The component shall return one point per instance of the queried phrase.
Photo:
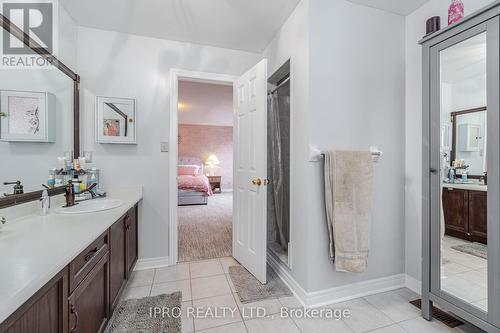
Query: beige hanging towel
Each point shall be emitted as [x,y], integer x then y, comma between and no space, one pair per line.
[348,196]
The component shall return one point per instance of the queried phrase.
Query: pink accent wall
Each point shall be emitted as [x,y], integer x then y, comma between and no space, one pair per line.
[201,141]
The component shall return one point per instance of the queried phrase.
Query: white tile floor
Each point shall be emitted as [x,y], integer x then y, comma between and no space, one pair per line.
[463,275]
[207,284]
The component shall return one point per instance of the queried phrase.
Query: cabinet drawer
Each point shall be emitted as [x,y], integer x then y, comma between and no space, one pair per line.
[83,264]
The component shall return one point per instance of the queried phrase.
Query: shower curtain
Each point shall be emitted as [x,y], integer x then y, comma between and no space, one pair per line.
[276,166]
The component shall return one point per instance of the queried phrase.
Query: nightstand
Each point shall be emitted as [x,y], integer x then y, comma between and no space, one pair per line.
[215,183]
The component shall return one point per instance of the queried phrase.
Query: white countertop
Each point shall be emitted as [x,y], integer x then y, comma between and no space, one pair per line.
[467,186]
[33,248]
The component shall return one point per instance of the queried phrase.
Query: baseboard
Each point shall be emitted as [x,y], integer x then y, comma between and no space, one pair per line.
[337,294]
[283,272]
[413,284]
[150,263]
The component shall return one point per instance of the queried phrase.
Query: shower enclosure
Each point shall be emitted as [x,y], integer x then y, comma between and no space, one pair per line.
[278,134]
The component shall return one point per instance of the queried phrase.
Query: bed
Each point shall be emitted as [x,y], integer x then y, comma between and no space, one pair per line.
[193,189]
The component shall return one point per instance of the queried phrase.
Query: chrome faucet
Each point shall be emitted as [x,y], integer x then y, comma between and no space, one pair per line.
[18,188]
[70,193]
[3,220]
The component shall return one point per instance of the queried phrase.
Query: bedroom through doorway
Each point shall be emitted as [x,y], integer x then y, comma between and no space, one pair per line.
[204,170]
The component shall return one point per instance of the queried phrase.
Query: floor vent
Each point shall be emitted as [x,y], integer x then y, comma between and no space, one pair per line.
[440,315]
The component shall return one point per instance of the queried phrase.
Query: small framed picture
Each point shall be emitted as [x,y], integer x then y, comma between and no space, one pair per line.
[116,120]
[27,116]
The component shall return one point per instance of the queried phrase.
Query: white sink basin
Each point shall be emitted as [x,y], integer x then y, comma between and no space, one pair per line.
[91,206]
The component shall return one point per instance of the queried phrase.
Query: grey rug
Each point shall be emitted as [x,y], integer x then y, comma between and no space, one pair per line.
[476,249]
[134,315]
[205,232]
[249,289]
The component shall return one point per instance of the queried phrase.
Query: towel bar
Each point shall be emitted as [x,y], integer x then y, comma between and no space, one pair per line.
[376,154]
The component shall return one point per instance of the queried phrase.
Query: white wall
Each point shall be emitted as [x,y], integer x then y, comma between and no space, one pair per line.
[292,42]
[415,30]
[205,104]
[357,101]
[123,65]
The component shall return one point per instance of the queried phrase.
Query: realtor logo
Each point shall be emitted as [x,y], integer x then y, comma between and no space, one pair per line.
[38,20]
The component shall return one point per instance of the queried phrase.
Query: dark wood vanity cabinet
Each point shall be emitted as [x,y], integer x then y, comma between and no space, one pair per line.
[83,296]
[44,312]
[118,264]
[131,219]
[478,216]
[124,247]
[465,214]
[89,304]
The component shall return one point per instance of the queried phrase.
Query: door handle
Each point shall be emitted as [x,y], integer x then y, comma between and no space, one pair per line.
[257,181]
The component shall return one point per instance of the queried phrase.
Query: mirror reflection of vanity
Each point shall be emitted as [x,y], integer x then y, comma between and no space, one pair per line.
[461,178]
[38,124]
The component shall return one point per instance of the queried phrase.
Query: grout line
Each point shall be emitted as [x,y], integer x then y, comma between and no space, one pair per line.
[152,283]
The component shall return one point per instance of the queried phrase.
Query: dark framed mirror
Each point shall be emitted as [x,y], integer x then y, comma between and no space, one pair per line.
[39,121]
[469,141]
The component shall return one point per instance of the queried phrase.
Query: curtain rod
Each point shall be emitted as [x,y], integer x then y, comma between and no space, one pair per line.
[279,86]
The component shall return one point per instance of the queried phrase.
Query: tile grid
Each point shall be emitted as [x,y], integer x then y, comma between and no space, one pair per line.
[387,312]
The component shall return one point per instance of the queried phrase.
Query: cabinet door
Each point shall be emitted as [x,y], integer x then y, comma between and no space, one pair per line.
[131,227]
[89,303]
[455,212]
[478,219]
[117,263]
[44,312]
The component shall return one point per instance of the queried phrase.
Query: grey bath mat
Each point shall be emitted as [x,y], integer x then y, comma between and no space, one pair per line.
[475,249]
[134,315]
[249,289]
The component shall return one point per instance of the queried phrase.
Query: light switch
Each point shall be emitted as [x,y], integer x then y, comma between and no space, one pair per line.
[164,147]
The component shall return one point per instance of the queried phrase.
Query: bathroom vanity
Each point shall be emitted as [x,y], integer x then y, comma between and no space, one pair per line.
[69,270]
[464,210]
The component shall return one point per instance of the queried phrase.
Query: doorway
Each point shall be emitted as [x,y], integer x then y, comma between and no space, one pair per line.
[278,164]
[249,236]
[205,170]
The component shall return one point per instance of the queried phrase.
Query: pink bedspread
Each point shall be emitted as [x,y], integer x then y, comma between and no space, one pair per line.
[197,183]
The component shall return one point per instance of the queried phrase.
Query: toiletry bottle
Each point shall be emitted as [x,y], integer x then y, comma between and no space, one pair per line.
[69,166]
[455,11]
[452,175]
[83,162]
[76,184]
[51,182]
[76,165]
[465,176]
[94,177]
[83,184]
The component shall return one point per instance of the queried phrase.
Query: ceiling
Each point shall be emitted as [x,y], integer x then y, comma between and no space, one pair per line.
[400,7]
[205,104]
[464,61]
[247,25]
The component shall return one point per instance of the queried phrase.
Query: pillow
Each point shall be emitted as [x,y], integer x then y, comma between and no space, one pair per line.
[188,170]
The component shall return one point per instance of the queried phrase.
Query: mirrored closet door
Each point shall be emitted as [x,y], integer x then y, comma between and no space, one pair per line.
[464,160]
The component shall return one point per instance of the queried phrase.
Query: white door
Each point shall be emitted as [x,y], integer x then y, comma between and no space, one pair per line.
[250,170]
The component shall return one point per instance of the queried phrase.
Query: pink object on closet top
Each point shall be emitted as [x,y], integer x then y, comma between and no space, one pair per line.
[456,11]
[198,183]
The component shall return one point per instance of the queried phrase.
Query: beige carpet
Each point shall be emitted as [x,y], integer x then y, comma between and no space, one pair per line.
[205,232]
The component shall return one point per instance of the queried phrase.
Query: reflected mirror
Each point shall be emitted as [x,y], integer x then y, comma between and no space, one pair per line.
[464,251]
[36,126]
